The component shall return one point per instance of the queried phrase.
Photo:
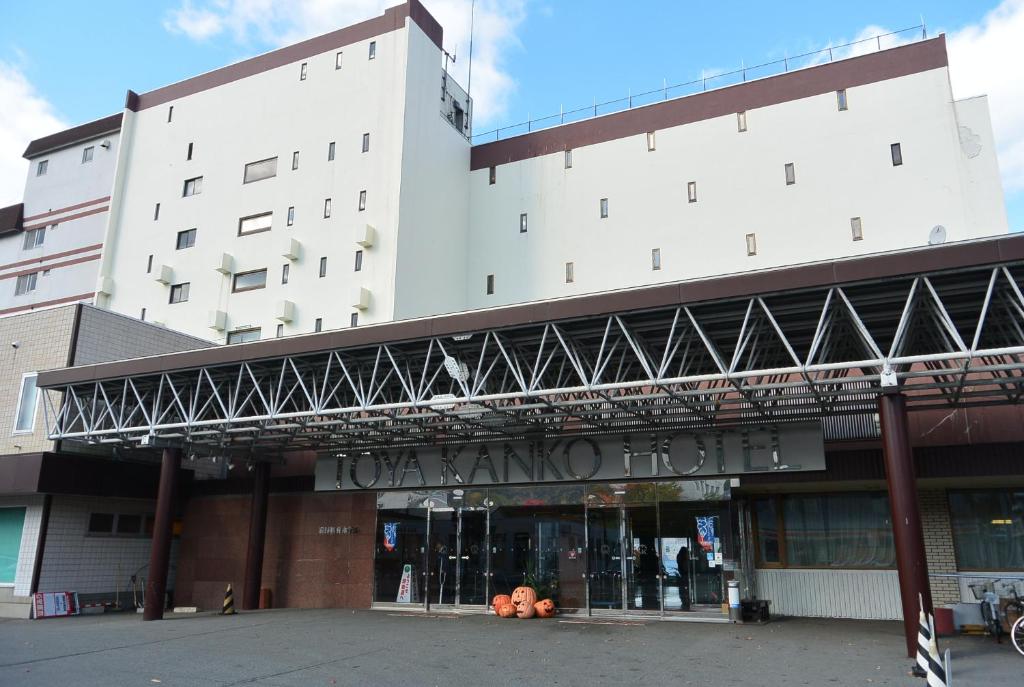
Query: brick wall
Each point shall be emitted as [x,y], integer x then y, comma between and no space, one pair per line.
[938,545]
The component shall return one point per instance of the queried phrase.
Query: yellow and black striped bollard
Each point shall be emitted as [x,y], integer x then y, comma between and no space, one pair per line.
[229,602]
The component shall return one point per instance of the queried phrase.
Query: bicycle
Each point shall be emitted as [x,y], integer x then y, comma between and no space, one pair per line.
[1017,635]
[986,593]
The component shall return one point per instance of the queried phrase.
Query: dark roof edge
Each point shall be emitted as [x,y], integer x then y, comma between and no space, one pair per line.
[878,266]
[11,218]
[76,134]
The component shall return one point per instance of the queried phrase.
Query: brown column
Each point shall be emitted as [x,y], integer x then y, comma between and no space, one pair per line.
[44,525]
[906,516]
[163,522]
[257,536]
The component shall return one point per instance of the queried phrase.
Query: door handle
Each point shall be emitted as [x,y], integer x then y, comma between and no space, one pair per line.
[452,558]
[465,558]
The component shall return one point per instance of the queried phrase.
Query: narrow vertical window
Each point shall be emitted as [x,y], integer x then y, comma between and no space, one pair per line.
[604,208]
[330,151]
[318,325]
[373,50]
[188,155]
[691,191]
[291,215]
[897,154]
[149,265]
[142,315]
[87,153]
[323,267]
[362,201]
[655,258]
[522,223]
[295,160]
[280,328]
[841,99]
[302,72]
[170,113]
[337,61]
[855,229]
[25,413]
[650,141]
[492,175]
[741,121]
[751,244]
[359,261]
[353,320]
[790,174]
[156,212]
[568,158]
[41,168]
[569,273]
[366,143]
[285,269]
[327,208]
[490,284]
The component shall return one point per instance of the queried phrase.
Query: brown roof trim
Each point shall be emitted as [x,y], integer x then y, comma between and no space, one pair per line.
[963,254]
[52,256]
[392,20]
[804,83]
[11,218]
[69,218]
[76,134]
[69,208]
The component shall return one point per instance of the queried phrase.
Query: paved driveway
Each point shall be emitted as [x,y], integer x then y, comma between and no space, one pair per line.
[336,647]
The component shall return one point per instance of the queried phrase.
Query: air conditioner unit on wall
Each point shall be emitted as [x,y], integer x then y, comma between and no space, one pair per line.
[284,311]
[360,298]
[218,320]
[163,274]
[226,264]
[366,236]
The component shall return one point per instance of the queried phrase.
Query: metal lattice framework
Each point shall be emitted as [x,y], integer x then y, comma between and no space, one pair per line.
[949,339]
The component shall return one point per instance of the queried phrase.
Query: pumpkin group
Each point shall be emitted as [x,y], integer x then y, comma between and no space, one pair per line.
[545,608]
[506,610]
[500,600]
[522,603]
[524,595]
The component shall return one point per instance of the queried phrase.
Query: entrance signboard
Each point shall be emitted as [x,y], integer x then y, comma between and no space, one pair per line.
[720,452]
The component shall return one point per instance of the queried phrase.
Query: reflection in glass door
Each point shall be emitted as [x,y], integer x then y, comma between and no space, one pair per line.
[442,557]
[472,589]
[692,555]
[457,558]
[604,554]
[643,558]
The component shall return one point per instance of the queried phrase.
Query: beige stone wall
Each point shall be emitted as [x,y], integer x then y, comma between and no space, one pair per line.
[938,546]
[43,339]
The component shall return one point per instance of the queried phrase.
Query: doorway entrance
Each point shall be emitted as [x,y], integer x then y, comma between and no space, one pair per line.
[457,560]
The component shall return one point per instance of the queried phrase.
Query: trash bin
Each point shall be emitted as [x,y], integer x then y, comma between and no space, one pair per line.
[944,625]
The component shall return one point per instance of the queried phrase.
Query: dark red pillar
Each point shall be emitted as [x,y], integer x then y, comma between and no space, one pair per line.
[257,536]
[908,535]
[163,523]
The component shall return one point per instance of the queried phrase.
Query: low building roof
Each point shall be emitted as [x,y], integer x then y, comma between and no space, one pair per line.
[76,134]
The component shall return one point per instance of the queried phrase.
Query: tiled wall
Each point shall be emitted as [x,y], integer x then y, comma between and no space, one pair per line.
[33,505]
[938,546]
[104,336]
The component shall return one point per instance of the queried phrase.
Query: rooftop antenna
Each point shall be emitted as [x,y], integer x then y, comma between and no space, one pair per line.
[472,17]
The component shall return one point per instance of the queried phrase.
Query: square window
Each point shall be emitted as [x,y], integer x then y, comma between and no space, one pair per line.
[655,259]
[337,60]
[691,191]
[156,212]
[373,50]
[569,273]
[188,154]
[568,159]
[359,261]
[327,208]
[285,269]
[362,201]
[855,229]
[751,244]
[330,151]
[353,320]
[790,174]
[650,141]
[149,265]
[302,71]
[41,167]
[280,328]
[193,187]
[897,154]
[255,224]
[490,284]
[604,208]
[741,121]
[841,99]
[249,281]
[129,524]
[244,335]
[493,175]
[179,293]
[295,160]
[522,223]
[25,283]
[34,238]
[87,154]
[366,143]
[323,267]
[318,325]
[28,399]
[291,215]
[101,523]
[259,170]
[186,239]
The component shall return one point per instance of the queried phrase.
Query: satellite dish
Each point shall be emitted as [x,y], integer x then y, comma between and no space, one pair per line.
[937,235]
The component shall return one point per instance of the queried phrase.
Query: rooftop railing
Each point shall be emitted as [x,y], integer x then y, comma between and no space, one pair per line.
[708,82]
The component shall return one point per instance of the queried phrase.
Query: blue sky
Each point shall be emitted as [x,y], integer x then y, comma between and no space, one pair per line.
[65,62]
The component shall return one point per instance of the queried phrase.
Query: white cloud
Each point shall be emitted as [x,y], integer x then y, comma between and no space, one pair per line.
[25,115]
[273,23]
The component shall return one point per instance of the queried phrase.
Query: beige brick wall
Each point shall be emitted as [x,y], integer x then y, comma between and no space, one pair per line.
[938,545]
[43,339]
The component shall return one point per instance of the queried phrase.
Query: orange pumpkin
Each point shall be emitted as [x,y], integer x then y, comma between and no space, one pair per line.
[506,610]
[525,609]
[545,608]
[500,600]
[524,594]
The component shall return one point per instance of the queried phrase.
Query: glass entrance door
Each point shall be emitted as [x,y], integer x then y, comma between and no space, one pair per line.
[642,550]
[604,556]
[692,555]
[457,558]
[472,586]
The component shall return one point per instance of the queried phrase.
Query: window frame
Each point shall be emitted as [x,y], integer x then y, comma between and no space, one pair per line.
[896,154]
[338,59]
[656,259]
[331,150]
[15,431]
[353,320]
[604,208]
[741,121]
[327,208]
[362,200]
[30,279]
[88,153]
[186,234]
[290,217]
[318,325]
[650,142]
[366,142]
[857,228]
[570,272]
[285,272]
[197,187]
[295,160]
[952,529]
[490,285]
[303,71]
[323,267]
[34,235]
[790,170]
[492,175]
[182,287]
[568,158]
[372,50]
[246,330]
[842,101]
[751,244]
[691,191]
[42,167]
[358,266]
[524,223]
[245,170]
[258,215]
[234,281]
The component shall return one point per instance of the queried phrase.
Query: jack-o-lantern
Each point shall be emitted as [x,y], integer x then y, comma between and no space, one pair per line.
[545,608]
[524,594]
[525,609]
[506,610]
[500,600]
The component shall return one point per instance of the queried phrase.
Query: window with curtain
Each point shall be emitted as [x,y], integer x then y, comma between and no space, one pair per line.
[988,529]
[825,531]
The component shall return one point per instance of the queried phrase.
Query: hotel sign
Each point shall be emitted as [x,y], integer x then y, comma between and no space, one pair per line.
[714,453]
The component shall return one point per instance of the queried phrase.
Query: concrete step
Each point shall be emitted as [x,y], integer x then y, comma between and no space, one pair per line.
[16,608]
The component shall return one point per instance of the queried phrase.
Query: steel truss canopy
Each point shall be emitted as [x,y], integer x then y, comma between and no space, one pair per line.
[948,337]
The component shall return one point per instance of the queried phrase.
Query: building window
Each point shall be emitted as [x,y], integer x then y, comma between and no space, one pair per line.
[193,187]
[366,143]
[841,99]
[25,283]
[492,175]
[25,412]
[337,60]
[790,174]
[522,223]
[570,277]
[303,68]
[170,114]
[323,267]
[327,208]
[149,264]
[650,141]
[262,169]
[101,523]
[988,529]
[353,320]
[604,208]
[254,224]
[128,524]
[34,238]
[741,121]
[285,269]
[186,239]
[362,201]
[897,154]
[249,281]
[142,315]
[655,259]
[179,293]
[87,154]
[851,530]
[244,335]
[188,154]
[490,284]
[568,159]
[318,324]
[855,228]
[41,167]
[330,151]
[156,212]
[373,50]
[751,244]
[691,191]
[291,215]
[359,261]
[295,160]
[280,328]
